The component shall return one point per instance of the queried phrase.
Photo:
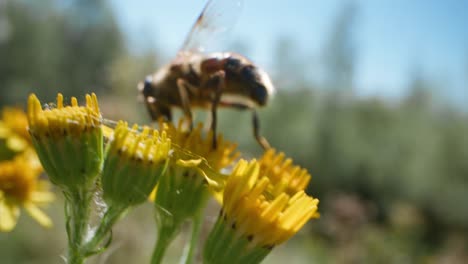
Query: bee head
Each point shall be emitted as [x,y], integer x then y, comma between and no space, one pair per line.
[262,88]
[154,102]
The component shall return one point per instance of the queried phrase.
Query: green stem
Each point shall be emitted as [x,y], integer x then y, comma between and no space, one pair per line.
[77,211]
[165,236]
[189,251]
[111,216]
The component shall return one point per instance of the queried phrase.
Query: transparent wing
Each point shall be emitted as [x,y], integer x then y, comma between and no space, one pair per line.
[218,17]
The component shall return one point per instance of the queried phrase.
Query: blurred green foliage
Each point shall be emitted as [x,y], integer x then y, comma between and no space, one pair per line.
[392,175]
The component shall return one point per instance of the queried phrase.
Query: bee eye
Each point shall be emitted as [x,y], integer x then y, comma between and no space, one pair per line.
[233,64]
[248,74]
[147,86]
[260,94]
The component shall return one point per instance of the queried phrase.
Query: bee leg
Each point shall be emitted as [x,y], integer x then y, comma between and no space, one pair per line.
[183,87]
[157,110]
[218,83]
[255,121]
[256,127]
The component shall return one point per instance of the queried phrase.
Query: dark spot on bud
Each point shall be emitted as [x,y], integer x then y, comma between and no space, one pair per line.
[250,238]
[269,247]
[234,226]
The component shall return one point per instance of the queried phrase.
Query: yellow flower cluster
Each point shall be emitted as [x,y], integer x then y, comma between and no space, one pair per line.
[263,202]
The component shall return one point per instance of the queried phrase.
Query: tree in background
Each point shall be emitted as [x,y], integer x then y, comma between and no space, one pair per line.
[50,46]
[339,54]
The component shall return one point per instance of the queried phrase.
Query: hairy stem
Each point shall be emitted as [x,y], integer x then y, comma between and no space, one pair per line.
[77,210]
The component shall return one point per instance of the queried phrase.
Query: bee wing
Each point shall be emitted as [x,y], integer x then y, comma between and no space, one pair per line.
[218,17]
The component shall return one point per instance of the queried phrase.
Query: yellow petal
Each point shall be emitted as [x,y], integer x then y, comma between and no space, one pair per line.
[42,197]
[107,131]
[38,215]
[189,163]
[4,131]
[8,216]
[16,143]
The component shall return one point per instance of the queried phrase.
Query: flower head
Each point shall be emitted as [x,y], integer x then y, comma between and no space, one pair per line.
[68,140]
[134,162]
[253,219]
[20,187]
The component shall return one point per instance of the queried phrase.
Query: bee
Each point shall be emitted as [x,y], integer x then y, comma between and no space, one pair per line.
[197,79]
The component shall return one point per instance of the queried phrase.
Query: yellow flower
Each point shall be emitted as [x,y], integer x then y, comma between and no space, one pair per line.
[20,187]
[68,140]
[282,215]
[253,220]
[13,130]
[182,192]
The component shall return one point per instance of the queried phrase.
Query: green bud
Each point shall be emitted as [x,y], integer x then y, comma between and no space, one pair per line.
[68,140]
[134,162]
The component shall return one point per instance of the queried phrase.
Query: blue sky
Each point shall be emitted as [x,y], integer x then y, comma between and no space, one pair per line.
[393,37]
